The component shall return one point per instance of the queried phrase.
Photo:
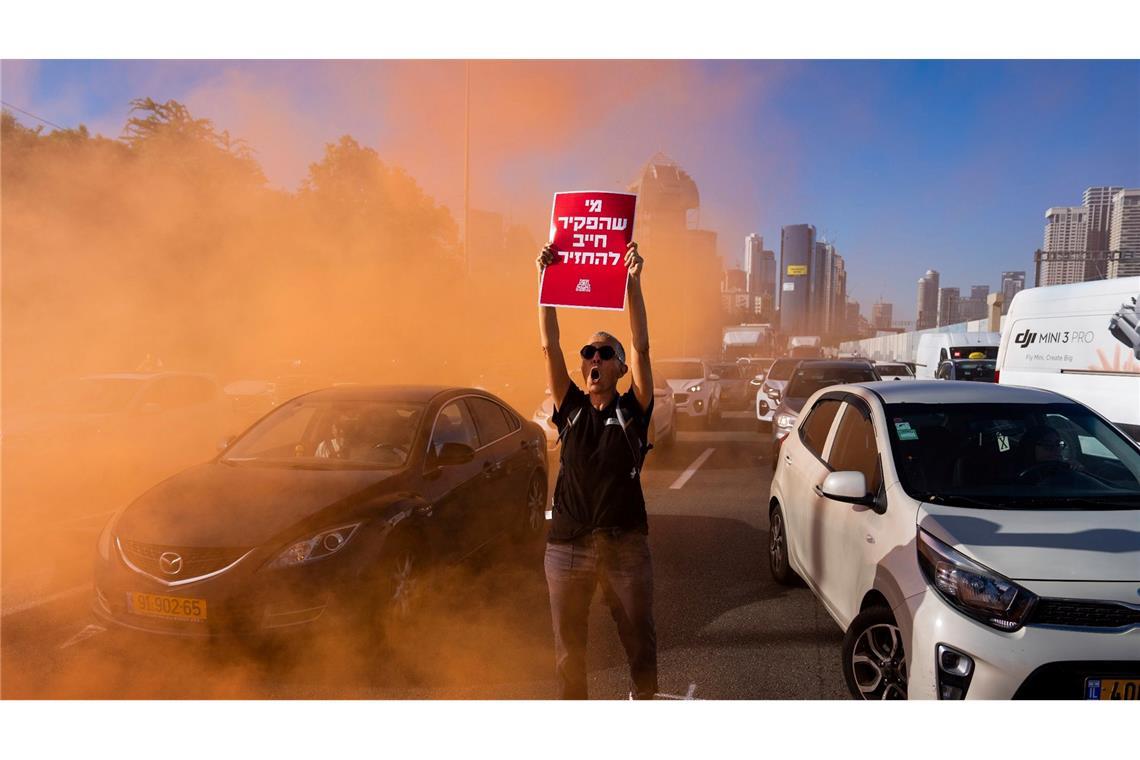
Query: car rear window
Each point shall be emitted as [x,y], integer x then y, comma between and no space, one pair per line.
[809,379]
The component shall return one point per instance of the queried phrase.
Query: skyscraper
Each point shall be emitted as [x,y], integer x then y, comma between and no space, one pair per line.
[1082,242]
[761,268]
[1012,283]
[881,314]
[1124,240]
[927,312]
[948,306]
[797,245]
[1066,229]
[1098,209]
[668,211]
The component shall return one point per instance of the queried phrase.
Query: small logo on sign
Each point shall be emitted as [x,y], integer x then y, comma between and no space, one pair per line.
[583,286]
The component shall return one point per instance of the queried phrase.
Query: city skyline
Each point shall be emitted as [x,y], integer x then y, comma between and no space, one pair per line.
[919,164]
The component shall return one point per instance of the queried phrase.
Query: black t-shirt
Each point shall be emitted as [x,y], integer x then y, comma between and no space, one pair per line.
[599,485]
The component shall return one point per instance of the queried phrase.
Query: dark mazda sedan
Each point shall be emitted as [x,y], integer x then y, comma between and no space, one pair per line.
[328,508]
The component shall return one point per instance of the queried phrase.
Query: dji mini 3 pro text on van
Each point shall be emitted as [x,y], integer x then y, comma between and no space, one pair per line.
[1082,340]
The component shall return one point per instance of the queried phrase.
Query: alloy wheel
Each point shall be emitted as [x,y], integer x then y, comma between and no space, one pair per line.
[776,539]
[535,506]
[878,663]
[403,580]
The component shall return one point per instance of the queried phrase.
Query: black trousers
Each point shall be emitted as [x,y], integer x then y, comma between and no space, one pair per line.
[619,562]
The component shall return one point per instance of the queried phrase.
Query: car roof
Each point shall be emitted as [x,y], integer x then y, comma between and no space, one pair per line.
[417,394]
[951,392]
[837,363]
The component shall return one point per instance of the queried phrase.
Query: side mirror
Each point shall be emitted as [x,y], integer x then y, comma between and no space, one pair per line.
[454,453]
[849,487]
[224,443]
[714,377]
[759,379]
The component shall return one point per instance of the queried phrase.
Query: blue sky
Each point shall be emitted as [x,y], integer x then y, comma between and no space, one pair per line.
[906,165]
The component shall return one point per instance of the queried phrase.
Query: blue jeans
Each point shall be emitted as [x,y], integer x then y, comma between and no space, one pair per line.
[619,563]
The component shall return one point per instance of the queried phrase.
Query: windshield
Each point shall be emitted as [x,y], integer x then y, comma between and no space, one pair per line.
[1007,455]
[330,435]
[726,371]
[808,379]
[976,371]
[782,369]
[893,370]
[679,370]
[970,352]
[95,395]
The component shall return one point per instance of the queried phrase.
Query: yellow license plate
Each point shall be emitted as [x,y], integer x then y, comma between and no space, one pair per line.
[1112,688]
[168,607]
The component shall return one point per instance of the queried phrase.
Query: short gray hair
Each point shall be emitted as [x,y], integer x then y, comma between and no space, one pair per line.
[618,347]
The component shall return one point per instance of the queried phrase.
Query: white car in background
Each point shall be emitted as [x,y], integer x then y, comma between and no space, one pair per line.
[664,433]
[696,387]
[771,391]
[894,371]
[972,540]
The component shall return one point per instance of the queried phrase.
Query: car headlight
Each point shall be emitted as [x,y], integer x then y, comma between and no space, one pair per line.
[772,393]
[974,590]
[695,388]
[786,420]
[316,546]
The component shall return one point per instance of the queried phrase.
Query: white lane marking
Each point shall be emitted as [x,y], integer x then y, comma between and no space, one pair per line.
[684,476]
[44,600]
[86,633]
[688,694]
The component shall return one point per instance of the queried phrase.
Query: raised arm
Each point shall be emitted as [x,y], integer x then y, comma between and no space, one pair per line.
[639,328]
[557,377]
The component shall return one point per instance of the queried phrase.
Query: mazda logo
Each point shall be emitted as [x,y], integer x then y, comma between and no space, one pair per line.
[170,563]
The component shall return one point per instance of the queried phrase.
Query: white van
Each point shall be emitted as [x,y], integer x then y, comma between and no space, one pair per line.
[1081,340]
[935,348]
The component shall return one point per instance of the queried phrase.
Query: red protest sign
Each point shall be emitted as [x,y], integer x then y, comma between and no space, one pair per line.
[589,231]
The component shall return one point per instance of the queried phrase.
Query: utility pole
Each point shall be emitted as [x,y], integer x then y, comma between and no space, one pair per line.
[467,166]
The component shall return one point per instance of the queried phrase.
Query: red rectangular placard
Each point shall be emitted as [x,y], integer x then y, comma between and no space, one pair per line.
[589,231]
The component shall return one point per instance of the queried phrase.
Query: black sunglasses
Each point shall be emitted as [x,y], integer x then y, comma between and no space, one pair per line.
[606,352]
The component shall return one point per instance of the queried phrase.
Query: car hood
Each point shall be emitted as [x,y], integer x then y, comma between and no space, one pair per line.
[222,505]
[1058,545]
[682,386]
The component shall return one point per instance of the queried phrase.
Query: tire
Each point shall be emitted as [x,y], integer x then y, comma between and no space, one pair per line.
[874,656]
[781,569]
[530,526]
[398,582]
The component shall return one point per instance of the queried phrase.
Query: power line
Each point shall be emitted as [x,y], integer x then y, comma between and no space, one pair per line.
[29,113]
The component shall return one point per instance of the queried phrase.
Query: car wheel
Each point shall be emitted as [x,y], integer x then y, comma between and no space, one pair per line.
[782,571]
[399,582]
[531,525]
[874,656]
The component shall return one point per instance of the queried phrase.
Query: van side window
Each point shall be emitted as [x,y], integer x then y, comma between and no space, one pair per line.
[815,428]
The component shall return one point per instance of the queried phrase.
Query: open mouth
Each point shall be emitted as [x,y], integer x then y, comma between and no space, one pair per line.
[595,375]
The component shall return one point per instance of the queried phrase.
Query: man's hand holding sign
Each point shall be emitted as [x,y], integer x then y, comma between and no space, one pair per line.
[599,527]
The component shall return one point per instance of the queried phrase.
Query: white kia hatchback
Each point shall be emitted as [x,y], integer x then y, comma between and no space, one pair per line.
[973,541]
